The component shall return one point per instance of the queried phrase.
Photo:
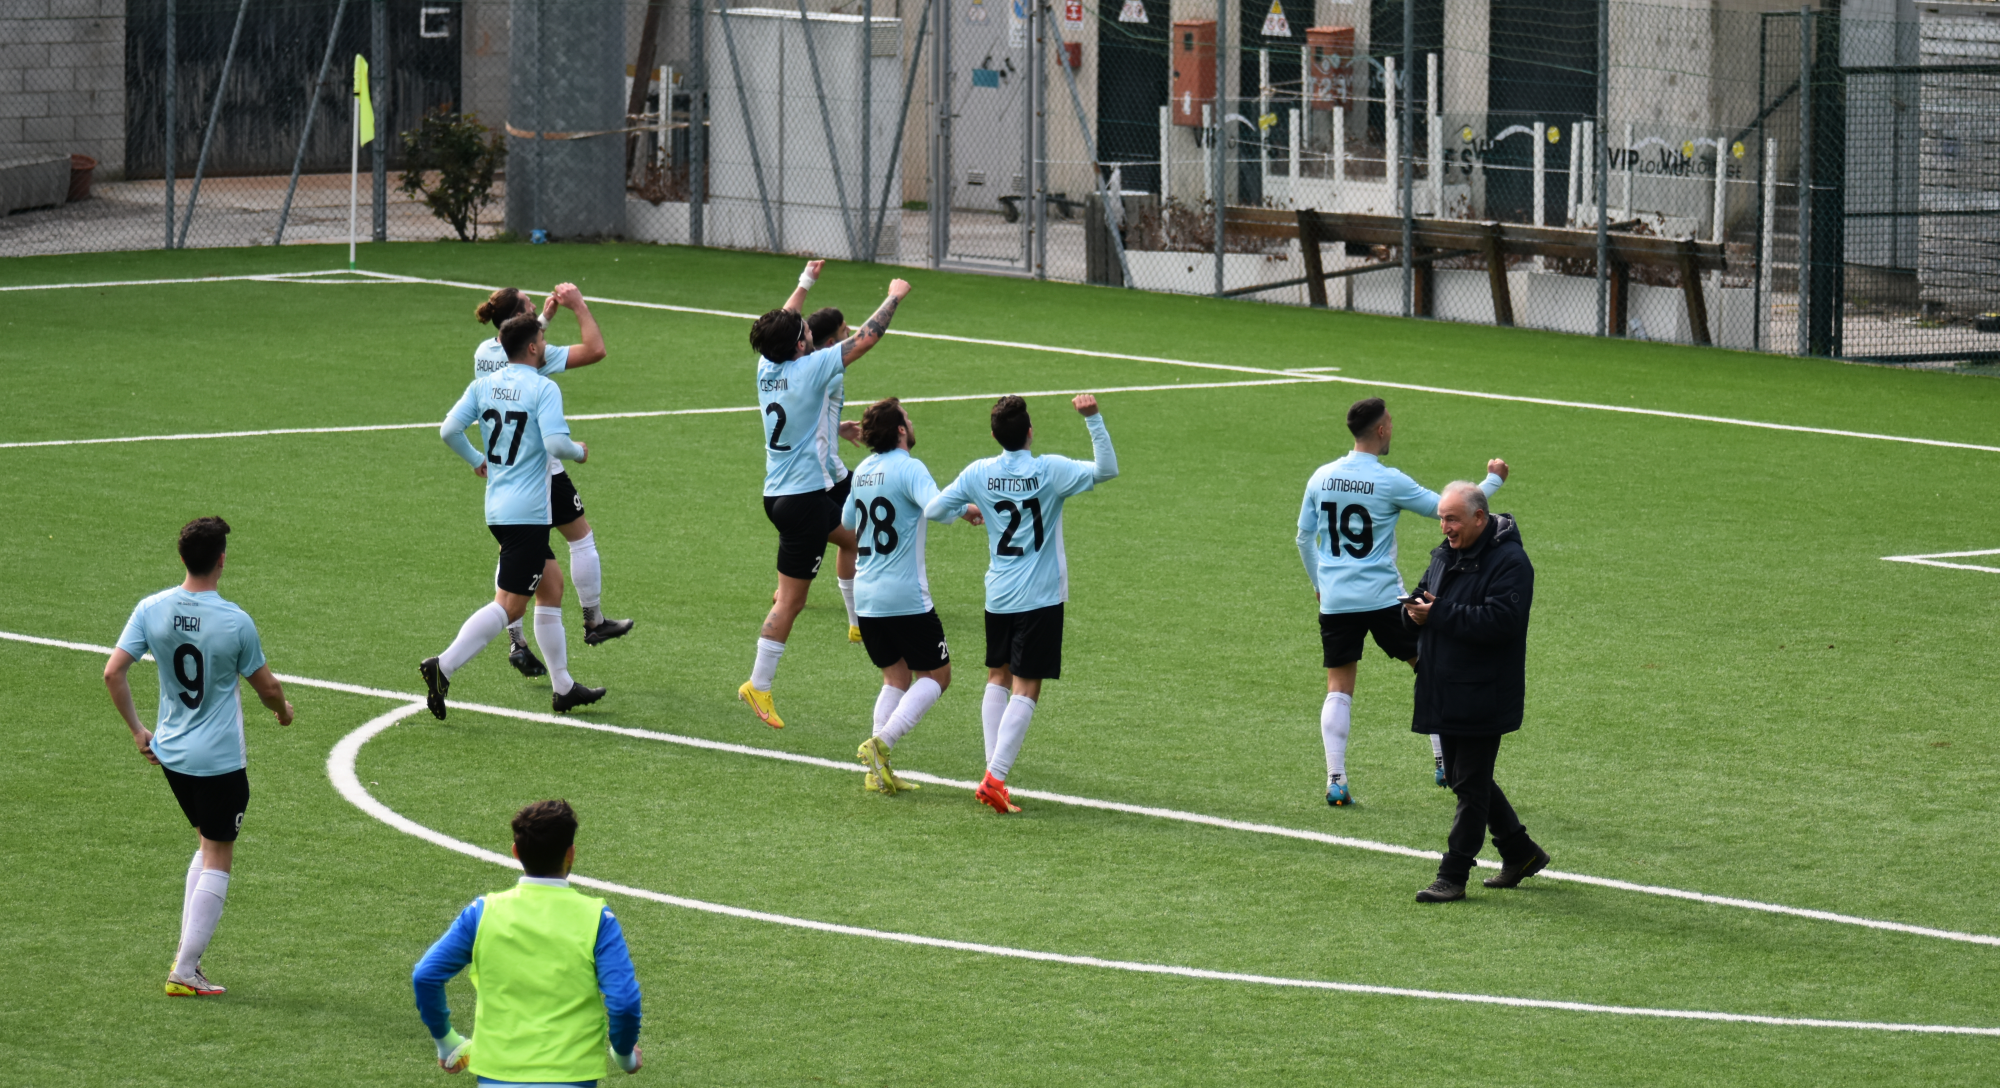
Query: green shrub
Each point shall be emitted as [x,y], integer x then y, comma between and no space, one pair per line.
[449,164]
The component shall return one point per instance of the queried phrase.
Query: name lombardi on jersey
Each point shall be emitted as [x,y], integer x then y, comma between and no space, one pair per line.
[1347,530]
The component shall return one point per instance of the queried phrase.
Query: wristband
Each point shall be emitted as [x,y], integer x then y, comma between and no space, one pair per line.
[806,281]
[544,319]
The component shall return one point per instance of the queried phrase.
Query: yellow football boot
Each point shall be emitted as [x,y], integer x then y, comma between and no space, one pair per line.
[853,633]
[760,701]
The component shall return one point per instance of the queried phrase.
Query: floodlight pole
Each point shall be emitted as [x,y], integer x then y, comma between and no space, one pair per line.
[378,97]
[697,119]
[1599,173]
[1405,137]
[1217,137]
[167,142]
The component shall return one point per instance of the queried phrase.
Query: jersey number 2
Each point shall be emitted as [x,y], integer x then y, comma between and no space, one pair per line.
[777,413]
[884,534]
[1007,507]
[520,422]
[1340,523]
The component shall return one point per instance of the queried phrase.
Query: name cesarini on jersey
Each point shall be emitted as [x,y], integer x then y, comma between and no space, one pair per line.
[520,417]
[886,512]
[797,441]
[1021,496]
[1347,530]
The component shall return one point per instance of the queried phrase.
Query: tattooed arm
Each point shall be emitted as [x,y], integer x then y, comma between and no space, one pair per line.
[872,330]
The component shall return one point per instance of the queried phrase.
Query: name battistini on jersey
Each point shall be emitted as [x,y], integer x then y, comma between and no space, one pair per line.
[1012,483]
[1335,483]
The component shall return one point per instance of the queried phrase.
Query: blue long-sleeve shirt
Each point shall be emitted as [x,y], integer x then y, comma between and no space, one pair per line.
[453,952]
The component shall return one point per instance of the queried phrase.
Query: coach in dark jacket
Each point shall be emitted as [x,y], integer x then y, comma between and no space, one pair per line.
[1471,614]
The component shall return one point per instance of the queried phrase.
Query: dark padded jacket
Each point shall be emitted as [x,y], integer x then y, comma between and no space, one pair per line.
[1472,652]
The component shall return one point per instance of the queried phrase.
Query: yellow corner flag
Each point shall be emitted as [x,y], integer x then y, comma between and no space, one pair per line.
[362,103]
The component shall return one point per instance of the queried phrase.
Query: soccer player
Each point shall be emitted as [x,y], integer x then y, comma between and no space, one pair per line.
[828,327]
[201,643]
[566,506]
[1021,498]
[1347,539]
[792,382]
[549,966]
[520,416]
[899,626]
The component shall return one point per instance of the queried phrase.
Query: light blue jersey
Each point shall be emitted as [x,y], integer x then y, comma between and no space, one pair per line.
[490,357]
[1021,496]
[797,441]
[1347,530]
[886,512]
[836,400]
[520,418]
[201,644]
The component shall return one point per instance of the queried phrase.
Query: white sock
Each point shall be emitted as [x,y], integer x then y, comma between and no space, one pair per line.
[203,911]
[480,628]
[992,707]
[766,668]
[514,636]
[554,644]
[847,595]
[914,705]
[886,701]
[1013,730]
[187,892]
[586,572]
[1335,717]
[1437,749]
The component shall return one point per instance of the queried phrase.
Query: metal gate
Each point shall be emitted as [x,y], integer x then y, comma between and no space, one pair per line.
[986,91]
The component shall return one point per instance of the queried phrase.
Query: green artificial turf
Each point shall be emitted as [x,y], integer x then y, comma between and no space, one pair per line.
[1729,691]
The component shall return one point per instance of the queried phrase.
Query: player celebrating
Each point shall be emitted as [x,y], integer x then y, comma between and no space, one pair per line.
[520,415]
[564,503]
[1021,498]
[828,327]
[792,382]
[898,624]
[202,644]
[1347,538]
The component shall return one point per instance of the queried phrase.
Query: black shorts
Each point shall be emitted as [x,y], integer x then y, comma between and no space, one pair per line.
[524,551]
[803,522]
[917,641]
[839,492]
[1340,635]
[565,505]
[213,803]
[1028,644]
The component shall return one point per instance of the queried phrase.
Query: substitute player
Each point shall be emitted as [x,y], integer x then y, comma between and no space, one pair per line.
[1021,498]
[520,416]
[1347,539]
[899,625]
[565,505]
[828,327]
[202,644]
[792,381]
[549,965]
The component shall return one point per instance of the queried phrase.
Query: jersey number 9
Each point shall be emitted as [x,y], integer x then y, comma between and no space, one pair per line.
[183,654]
[884,534]
[1340,523]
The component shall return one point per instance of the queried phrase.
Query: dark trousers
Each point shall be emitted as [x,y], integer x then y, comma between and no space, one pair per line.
[1468,768]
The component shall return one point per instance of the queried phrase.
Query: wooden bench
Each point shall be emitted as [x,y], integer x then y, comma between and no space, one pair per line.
[1436,240]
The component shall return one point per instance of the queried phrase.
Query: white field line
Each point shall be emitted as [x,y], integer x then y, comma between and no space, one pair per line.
[389,277]
[340,769]
[1175,815]
[1931,560]
[623,415]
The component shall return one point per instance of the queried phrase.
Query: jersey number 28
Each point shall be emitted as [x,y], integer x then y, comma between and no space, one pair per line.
[884,534]
[1340,523]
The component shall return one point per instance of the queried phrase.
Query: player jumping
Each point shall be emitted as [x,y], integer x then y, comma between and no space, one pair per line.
[1021,497]
[792,381]
[202,643]
[565,505]
[1347,538]
[828,327]
[520,416]
[899,626]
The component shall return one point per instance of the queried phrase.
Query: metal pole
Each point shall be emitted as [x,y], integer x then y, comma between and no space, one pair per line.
[1767,185]
[1038,145]
[939,213]
[312,109]
[1805,179]
[903,115]
[353,168]
[826,124]
[867,116]
[749,129]
[1599,146]
[1090,148]
[214,114]
[378,98]
[1218,155]
[1405,142]
[167,145]
[697,120]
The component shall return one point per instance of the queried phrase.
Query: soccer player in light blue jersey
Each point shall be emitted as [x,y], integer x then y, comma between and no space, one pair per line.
[1021,499]
[201,644]
[520,418]
[565,504]
[899,625]
[1347,539]
[828,327]
[792,381]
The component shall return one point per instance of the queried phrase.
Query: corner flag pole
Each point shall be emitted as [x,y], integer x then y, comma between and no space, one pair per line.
[364,131]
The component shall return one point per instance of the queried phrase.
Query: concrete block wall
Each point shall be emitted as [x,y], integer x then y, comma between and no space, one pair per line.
[62,80]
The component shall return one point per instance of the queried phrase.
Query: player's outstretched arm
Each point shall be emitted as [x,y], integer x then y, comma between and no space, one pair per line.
[1104,459]
[797,303]
[271,694]
[877,325]
[118,681]
[592,349]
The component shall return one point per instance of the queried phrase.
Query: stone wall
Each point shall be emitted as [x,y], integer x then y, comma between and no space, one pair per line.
[62,80]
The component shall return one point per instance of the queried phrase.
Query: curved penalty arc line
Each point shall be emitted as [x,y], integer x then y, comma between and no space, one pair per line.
[340,769]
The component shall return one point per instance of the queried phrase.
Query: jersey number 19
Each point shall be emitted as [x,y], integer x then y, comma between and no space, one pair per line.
[1340,523]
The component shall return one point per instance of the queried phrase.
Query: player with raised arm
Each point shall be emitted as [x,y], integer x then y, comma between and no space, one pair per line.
[565,505]
[520,417]
[792,381]
[828,327]
[1021,498]
[1347,539]
[201,644]
[899,625]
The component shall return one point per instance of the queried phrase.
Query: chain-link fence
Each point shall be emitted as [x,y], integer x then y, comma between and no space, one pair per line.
[1784,180]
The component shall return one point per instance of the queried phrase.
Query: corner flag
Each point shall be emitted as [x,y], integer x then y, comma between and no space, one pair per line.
[363,105]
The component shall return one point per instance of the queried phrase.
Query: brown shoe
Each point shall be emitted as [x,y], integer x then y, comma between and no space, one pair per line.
[1511,876]
[1441,891]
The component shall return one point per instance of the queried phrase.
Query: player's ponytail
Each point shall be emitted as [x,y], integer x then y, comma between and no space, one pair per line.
[501,305]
